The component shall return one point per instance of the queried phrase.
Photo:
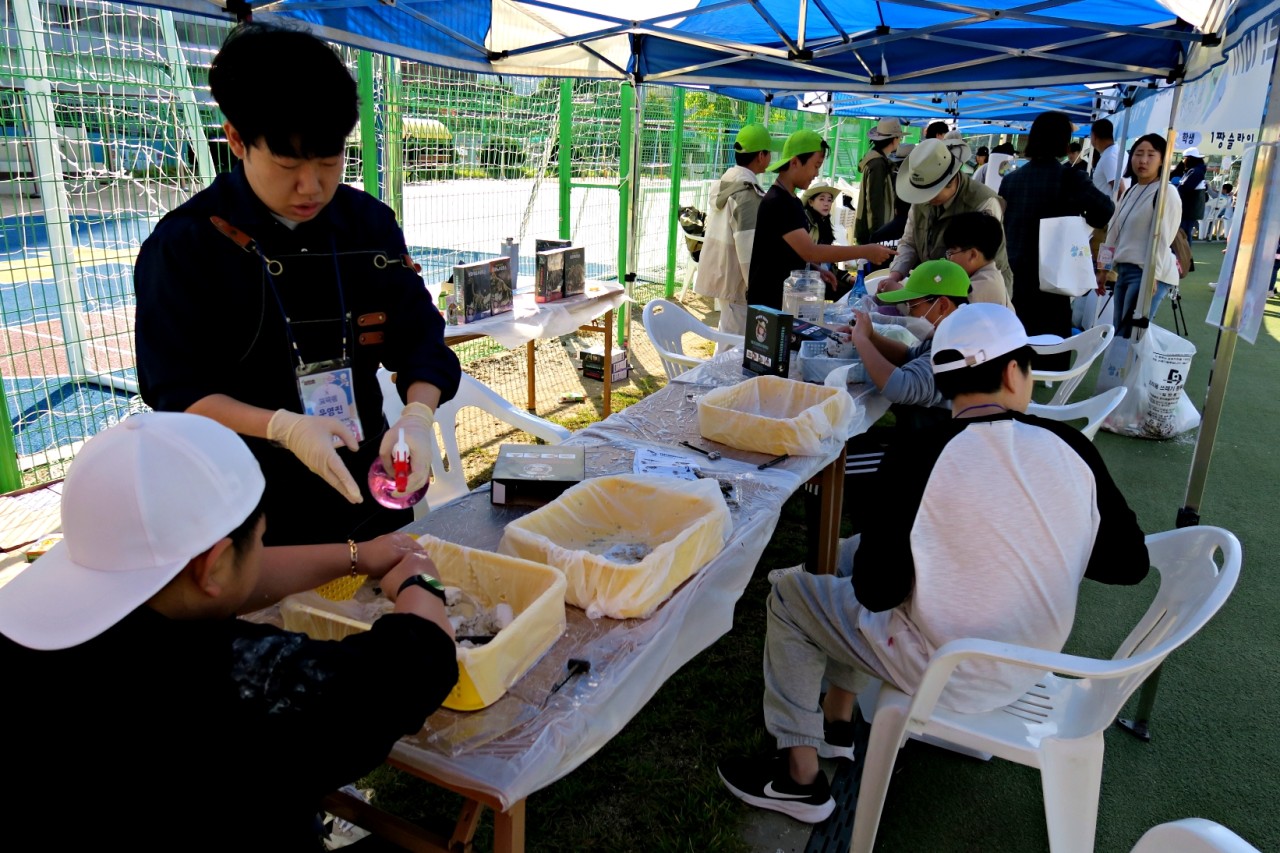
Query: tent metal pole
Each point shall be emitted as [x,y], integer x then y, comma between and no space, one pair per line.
[677,174]
[1147,294]
[1139,726]
[1263,186]
[626,196]
[564,163]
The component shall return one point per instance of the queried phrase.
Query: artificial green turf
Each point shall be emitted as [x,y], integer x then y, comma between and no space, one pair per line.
[1213,755]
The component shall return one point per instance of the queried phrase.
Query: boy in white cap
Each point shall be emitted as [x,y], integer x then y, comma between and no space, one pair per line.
[933,182]
[986,527]
[137,700]
[731,227]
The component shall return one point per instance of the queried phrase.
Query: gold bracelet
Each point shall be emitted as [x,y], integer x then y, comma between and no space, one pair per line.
[355,556]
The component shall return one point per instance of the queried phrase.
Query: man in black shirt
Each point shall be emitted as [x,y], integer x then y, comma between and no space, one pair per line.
[783,242]
[137,700]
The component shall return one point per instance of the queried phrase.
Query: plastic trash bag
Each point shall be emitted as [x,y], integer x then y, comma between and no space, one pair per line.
[1155,371]
[625,542]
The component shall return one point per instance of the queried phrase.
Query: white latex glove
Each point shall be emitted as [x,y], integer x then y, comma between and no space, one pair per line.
[416,420]
[310,438]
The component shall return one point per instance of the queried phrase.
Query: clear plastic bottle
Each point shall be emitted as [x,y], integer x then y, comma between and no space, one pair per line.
[511,249]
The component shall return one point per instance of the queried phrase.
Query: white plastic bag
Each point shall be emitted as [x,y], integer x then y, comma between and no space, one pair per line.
[1089,310]
[1066,266]
[1115,365]
[1156,405]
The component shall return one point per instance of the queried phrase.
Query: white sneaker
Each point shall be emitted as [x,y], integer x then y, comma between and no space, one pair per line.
[778,574]
[1213,285]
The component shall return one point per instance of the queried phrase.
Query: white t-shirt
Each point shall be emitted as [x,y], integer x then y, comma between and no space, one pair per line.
[1107,170]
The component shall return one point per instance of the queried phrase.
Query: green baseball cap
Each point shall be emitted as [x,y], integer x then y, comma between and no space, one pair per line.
[931,278]
[753,138]
[800,142]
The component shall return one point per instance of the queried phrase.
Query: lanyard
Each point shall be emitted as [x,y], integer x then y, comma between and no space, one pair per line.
[274,268]
[1128,211]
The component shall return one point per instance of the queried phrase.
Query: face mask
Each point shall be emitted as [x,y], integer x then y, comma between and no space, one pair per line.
[918,326]
[921,327]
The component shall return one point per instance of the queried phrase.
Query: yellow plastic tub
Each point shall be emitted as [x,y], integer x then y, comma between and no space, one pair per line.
[535,593]
[769,414]
[624,542]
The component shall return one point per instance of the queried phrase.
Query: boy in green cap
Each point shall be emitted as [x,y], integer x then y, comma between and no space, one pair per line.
[902,373]
[782,240]
[731,228]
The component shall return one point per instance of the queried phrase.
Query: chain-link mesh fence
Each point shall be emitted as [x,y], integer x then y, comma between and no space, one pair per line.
[106,123]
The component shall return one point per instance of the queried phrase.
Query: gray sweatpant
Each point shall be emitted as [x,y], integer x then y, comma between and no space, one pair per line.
[812,632]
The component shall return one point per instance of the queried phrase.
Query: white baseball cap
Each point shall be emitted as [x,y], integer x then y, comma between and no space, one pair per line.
[1193,152]
[981,331]
[141,499]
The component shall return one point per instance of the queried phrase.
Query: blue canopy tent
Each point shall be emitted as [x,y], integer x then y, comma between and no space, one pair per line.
[898,46]
[895,57]
[1014,105]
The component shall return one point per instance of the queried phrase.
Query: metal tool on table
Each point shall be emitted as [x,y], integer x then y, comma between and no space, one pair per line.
[713,455]
[575,666]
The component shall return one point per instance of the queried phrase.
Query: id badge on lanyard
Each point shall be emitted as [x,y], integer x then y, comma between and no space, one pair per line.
[1106,257]
[327,390]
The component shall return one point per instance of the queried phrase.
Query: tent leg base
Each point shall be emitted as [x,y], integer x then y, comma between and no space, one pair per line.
[1137,728]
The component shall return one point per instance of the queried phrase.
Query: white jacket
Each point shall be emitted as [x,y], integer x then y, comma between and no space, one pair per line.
[1130,229]
[730,232]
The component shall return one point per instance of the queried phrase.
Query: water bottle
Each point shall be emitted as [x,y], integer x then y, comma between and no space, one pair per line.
[791,289]
[809,292]
[511,249]
[860,282]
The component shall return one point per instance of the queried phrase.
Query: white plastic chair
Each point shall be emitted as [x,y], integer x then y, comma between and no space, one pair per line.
[1192,835]
[1094,410]
[447,478]
[1057,726]
[1087,346]
[666,324]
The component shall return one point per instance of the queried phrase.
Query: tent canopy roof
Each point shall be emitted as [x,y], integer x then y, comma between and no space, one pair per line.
[898,46]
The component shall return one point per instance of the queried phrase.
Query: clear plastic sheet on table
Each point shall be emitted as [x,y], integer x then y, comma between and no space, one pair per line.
[530,737]
[672,417]
[529,320]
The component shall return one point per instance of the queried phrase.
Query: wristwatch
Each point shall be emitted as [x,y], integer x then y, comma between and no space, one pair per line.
[430,584]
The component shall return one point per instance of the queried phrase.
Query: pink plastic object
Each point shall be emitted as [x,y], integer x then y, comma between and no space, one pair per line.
[383,488]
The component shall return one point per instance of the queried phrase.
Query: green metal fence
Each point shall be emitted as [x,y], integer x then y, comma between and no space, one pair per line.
[106,124]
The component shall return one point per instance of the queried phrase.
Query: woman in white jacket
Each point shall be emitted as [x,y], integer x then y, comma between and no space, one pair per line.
[1129,234]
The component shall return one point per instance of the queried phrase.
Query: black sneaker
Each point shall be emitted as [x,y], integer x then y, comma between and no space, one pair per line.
[838,740]
[767,784]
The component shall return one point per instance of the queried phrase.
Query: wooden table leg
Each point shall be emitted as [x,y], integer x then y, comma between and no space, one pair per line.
[831,485]
[608,363]
[531,393]
[508,829]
